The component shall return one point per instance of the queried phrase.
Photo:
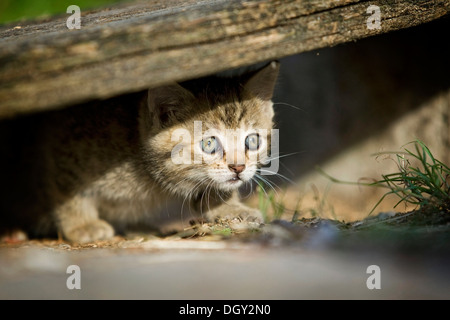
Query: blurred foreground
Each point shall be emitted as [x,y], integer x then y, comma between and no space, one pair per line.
[309,259]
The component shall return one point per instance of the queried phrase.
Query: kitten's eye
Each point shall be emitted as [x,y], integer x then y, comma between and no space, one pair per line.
[210,145]
[252,142]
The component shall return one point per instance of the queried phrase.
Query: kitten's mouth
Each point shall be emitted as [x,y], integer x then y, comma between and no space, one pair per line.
[234,180]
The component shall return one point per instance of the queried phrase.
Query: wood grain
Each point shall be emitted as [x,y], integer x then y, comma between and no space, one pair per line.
[44,65]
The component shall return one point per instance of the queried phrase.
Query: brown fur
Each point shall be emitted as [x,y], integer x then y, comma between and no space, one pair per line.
[86,168]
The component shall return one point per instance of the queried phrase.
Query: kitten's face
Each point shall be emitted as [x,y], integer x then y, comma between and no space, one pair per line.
[213,139]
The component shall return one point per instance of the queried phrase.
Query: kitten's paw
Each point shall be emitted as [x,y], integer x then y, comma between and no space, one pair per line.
[250,215]
[91,231]
[237,214]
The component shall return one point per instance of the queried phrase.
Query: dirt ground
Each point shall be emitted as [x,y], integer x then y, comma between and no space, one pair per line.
[302,259]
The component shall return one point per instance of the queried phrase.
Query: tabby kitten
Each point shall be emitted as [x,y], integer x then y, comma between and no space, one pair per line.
[82,170]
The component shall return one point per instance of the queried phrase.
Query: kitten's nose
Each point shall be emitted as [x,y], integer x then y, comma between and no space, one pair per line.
[237,168]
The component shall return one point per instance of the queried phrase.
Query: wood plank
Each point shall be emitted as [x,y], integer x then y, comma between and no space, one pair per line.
[140,45]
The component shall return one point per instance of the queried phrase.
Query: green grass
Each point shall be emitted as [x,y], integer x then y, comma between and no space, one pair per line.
[17,10]
[268,200]
[322,203]
[221,231]
[272,205]
[421,180]
[427,184]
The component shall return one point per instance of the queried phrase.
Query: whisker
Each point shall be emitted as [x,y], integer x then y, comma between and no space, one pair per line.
[267,196]
[190,195]
[248,193]
[203,194]
[289,105]
[287,168]
[259,184]
[270,184]
[279,175]
[284,155]
[207,193]
[220,196]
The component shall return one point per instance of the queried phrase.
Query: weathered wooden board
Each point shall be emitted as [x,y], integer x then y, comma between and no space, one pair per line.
[45,65]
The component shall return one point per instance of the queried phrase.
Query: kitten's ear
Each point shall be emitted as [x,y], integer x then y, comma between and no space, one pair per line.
[262,83]
[167,104]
